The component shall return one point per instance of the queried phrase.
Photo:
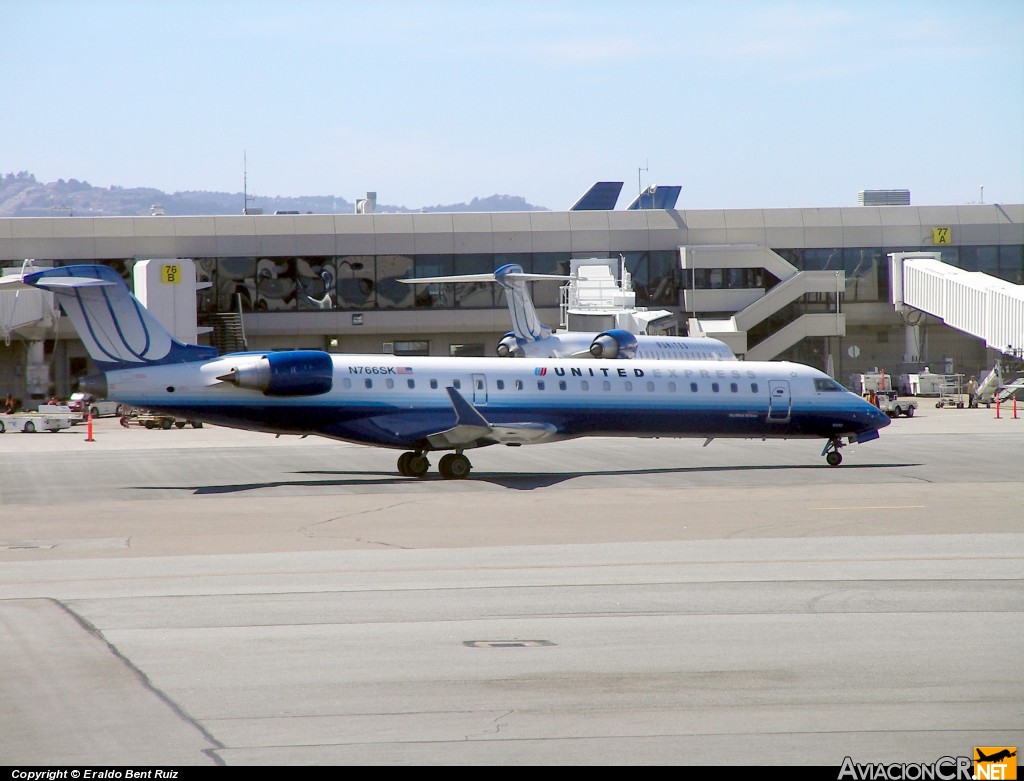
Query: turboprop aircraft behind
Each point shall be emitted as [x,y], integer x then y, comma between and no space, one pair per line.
[424,405]
[529,337]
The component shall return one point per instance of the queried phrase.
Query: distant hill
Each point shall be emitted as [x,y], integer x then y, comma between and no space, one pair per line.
[22,196]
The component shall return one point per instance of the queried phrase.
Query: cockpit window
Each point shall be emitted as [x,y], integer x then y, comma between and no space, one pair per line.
[827,385]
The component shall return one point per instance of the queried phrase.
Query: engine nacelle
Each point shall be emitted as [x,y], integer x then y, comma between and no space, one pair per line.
[292,373]
[508,347]
[618,343]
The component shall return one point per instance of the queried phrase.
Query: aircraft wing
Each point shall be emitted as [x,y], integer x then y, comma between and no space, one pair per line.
[472,429]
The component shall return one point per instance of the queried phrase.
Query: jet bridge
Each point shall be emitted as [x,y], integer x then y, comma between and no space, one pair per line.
[978,304]
[29,316]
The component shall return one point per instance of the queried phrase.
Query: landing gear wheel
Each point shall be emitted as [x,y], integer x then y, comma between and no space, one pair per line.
[413,464]
[454,466]
[831,452]
[418,466]
[403,464]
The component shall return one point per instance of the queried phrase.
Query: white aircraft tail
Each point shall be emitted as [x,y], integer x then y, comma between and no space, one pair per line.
[526,324]
[116,329]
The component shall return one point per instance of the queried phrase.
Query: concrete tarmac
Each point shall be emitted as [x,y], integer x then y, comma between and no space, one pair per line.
[209,596]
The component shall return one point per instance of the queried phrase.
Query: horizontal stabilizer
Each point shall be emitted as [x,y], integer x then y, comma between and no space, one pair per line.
[512,277]
[16,282]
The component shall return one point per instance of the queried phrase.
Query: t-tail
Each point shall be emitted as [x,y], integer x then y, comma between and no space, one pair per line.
[117,330]
[526,324]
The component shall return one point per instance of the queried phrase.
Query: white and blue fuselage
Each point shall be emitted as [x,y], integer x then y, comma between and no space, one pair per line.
[445,404]
[400,402]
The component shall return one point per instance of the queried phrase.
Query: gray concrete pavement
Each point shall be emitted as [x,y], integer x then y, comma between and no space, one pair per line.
[211,596]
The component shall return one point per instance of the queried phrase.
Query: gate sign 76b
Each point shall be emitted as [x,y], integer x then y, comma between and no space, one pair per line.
[170,275]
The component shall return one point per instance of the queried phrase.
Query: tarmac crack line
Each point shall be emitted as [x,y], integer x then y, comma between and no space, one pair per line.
[309,529]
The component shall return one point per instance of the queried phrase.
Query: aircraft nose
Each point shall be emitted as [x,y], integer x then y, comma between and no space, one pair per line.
[878,418]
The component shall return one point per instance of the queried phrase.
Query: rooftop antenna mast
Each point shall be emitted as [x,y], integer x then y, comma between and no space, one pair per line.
[639,186]
[245,183]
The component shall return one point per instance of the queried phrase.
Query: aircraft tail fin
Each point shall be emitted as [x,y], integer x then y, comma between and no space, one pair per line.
[526,324]
[602,196]
[656,197]
[117,330]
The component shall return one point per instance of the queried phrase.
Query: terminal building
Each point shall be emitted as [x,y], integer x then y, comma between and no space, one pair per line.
[812,285]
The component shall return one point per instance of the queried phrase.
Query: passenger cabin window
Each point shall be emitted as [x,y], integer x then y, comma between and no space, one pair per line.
[693,387]
[753,387]
[606,385]
[412,383]
[540,384]
[584,385]
[433,384]
[672,387]
[456,384]
[629,385]
[390,383]
[714,387]
[368,382]
[519,384]
[826,386]
[500,384]
[650,386]
[734,387]
[561,385]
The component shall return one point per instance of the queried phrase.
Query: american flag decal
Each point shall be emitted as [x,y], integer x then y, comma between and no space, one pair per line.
[404,370]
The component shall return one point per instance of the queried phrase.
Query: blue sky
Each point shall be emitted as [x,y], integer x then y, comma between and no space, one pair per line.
[744,104]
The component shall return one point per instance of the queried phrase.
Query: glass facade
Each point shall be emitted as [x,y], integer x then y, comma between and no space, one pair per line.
[372,282]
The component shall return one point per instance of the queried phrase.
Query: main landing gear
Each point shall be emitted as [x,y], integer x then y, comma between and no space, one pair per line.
[831,452]
[452,466]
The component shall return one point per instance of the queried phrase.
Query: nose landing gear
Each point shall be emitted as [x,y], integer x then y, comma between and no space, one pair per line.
[831,452]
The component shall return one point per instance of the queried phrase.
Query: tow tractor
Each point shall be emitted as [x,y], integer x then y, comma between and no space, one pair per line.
[51,418]
[151,420]
[889,402]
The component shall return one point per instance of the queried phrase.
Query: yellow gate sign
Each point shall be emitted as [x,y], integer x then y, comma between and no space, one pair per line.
[171,274]
[942,236]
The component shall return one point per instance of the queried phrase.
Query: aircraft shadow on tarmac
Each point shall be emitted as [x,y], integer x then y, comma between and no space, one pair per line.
[516,481]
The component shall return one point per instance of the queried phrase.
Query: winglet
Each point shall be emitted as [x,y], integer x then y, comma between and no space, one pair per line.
[470,426]
[465,413]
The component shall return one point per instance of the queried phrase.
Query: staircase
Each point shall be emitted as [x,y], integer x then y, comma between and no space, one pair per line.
[228,335]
